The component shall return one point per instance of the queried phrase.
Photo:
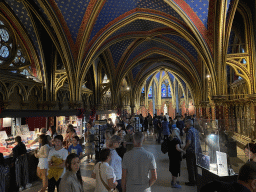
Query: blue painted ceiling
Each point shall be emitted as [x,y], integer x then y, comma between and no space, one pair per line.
[73,12]
[137,26]
[200,7]
[118,49]
[137,69]
[181,41]
[148,45]
[113,9]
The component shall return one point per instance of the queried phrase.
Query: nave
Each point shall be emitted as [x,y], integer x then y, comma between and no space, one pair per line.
[163,183]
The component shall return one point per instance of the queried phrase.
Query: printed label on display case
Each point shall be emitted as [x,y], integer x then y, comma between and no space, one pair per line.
[222,163]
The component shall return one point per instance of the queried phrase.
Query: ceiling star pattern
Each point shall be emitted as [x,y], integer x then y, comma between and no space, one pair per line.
[159,5]
[145,46]
[200,7]
[137,69]
[181,41]
[73,13]
[113,9]
[21,12]
[138,25]
[118,49]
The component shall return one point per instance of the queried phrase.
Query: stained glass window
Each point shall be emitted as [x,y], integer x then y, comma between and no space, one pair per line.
[143,90]
[150,92]
[5,43]
[163,90]
[169,91]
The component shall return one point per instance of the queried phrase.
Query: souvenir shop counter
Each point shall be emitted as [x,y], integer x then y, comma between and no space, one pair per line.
[32,168]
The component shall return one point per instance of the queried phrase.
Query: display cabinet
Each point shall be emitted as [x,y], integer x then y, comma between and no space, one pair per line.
[217,156]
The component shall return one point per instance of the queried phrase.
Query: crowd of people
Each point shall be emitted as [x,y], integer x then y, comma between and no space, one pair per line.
[123,164]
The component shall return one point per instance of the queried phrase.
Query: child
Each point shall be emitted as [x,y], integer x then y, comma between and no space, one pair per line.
[75,147]
[56,160]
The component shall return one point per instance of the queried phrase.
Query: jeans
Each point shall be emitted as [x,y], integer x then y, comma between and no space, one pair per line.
[191,166]
[159,136]
[52,183]
[119,186]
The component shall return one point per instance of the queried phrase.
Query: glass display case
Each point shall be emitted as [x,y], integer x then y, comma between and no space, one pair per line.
[219,153]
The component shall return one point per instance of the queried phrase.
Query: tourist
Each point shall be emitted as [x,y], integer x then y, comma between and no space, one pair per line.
[145,127]
[19,153]
[43,131]
[150,124]
[75,147]
[174,154]
[192,148]
[159,129]
[116,160]
[137,164]
[104,173]
[167,116]
[53,132]
[108,134]
[72,180]
[165,126]
[42,166]
[155,122]
[121,150]
[88,149]
[128,138]
[70,133]
[56,161]
[180,125]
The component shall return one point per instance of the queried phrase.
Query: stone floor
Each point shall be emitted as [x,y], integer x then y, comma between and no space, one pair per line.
[163,183]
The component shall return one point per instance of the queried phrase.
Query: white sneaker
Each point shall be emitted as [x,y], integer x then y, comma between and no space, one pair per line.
[28,185]
[21,188]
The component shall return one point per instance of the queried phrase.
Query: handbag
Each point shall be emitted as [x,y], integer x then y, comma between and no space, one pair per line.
[107,187]
[164,146]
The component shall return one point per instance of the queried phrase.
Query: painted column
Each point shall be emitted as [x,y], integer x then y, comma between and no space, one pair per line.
[226,116]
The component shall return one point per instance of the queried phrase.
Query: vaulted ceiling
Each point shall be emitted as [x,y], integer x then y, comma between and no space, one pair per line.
[137,37]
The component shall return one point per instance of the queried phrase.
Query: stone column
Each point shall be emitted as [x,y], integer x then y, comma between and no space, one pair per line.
[197,111]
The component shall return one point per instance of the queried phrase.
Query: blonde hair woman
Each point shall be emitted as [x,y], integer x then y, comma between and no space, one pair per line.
[174,153]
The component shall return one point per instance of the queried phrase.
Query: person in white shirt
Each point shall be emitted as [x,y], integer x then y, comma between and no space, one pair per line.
[42,166]
[104,173]
[116,160]
[56,161]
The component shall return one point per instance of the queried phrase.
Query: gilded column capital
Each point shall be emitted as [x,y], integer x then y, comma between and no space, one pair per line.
[204,103]
[74,104]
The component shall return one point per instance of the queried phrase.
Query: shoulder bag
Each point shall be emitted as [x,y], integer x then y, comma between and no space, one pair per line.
[107,187]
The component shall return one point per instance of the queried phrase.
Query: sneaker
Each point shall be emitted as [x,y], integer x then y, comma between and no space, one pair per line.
[28,185]
[176,182]
[21,188]
[176,186]
[190,184]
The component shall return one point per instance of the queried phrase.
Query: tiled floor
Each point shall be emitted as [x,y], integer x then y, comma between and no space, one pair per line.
[163,183]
